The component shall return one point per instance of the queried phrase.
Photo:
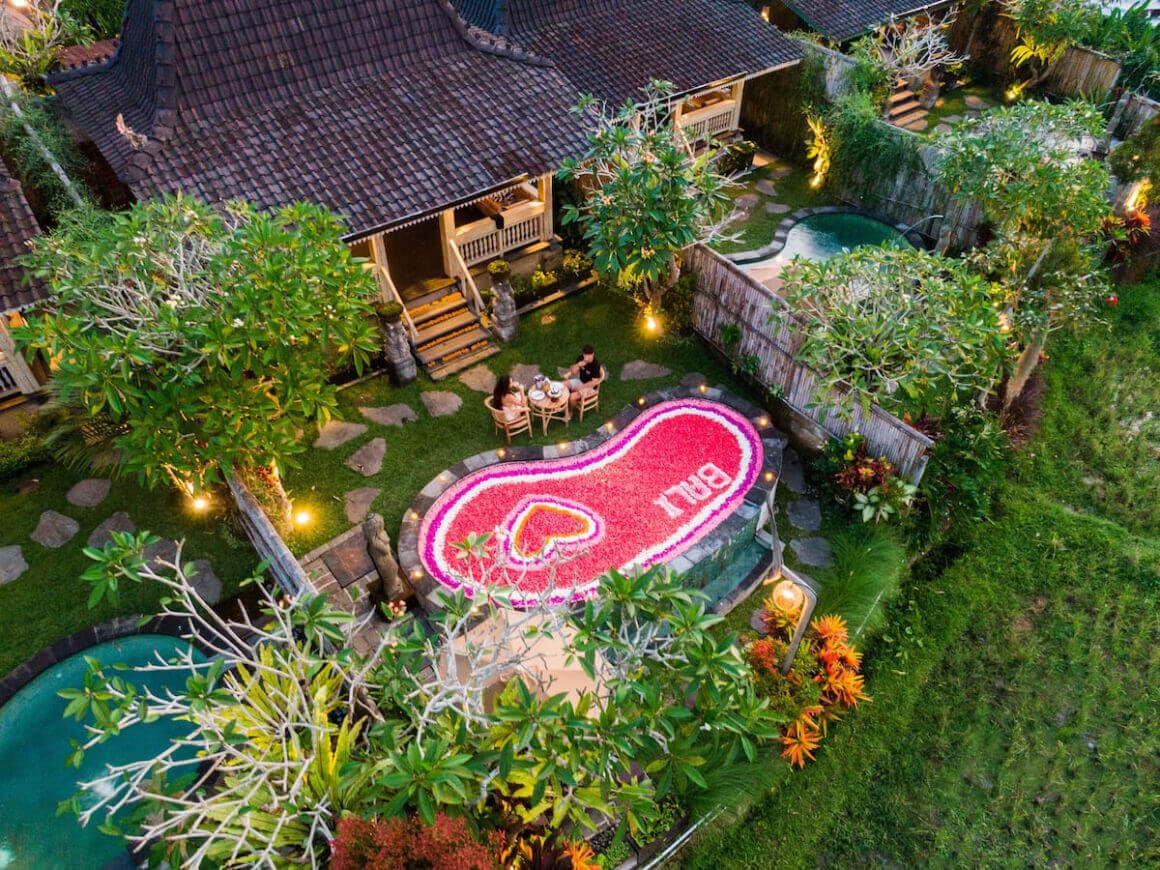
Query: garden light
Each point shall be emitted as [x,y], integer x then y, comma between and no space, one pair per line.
[769,476]
[302,517]
[501,453]
[640,401]
[562,446]
[762,422]
[200,503]
[650,323]
[414,515]
[793,595]
[417,574]
[704,388]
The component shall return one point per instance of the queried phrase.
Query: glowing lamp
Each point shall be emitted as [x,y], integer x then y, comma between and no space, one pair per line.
[650,323]
[501,453]
[769,475]
[414,515]
[762,422]
[200,503]
[562,446]
[302,517]
[417,574]
[788,596]
[704,388]
[640,401]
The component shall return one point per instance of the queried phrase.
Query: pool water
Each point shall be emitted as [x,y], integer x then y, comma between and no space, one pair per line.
[821,236]
[34,743]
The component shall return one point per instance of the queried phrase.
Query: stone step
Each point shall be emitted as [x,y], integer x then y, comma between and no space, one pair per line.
[445,305]
[902,96]
[905,108]
[432,292]
[910,118]
[453,345]
[458,363]
[436,328]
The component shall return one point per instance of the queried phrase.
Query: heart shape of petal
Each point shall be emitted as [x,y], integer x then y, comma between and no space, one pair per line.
[646,495]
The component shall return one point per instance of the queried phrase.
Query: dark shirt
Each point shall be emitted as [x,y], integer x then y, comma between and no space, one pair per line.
[588,371]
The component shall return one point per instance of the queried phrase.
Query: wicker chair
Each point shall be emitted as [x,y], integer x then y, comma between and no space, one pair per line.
[499,418]
[590,398]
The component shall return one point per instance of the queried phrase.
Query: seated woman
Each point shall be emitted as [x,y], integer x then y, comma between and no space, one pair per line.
[508,396]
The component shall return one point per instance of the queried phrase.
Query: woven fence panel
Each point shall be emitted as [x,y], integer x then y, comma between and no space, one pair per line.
[727,296]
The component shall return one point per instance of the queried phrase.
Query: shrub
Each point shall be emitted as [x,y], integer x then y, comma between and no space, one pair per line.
[677,306]
[499,269]
[522,289]
[407,842]
[862,482]
[20,454]
[542,281]
[868,565]
[736,157]
[576,266]
[615,855]
[825,679]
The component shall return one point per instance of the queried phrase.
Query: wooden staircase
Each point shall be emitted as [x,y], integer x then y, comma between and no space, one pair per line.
[450,336]
[904,110]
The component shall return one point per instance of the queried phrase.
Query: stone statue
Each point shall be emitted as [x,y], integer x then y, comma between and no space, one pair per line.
[505,322]
[398,352]
[394,586]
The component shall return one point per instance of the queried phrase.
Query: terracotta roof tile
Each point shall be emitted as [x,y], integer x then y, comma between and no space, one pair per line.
[612,49]
[842,20]
[380,109]
[17,226]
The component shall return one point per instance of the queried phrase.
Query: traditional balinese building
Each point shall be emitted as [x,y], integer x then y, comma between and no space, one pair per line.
[17,290]
[706,49]
[393,113]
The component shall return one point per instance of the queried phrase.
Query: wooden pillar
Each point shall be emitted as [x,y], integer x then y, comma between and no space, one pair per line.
[736,92]
[544,192]
[13,361]
[379,257]
[446,236]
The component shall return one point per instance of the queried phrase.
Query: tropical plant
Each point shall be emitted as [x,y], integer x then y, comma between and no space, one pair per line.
[864,149]
[818,149]
[897,326]
[406,841]
[208,335]
[30,45]
[1046,29]
[101,17]
[868,566]
[1137,158]
[39,150]
[1047,202]
[649,195]
[823,681]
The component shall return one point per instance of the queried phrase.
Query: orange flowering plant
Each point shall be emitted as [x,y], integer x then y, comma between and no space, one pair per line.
[825,679]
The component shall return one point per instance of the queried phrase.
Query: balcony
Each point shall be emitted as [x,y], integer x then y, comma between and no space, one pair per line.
[519,219]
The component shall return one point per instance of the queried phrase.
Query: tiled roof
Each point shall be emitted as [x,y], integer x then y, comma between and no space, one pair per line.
[72,56]
[841,20]
[17,226]
[379,109]
[613,48]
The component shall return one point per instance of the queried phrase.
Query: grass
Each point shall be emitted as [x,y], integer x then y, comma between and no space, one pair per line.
[1015,687]
[757,229]
[416,453]
[49,600]
[954,102]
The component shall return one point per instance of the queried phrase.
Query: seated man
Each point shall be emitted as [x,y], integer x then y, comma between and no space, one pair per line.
[585,374]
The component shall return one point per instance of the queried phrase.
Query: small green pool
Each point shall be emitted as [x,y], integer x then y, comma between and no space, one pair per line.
[821,236]
[34,742]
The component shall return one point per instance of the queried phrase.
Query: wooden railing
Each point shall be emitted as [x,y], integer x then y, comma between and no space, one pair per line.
[8,384]
[720,117]
[482,240]
[772,333]
[460,270]
[391,293]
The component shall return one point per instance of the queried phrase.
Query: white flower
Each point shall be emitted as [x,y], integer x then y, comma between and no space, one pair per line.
[238,322]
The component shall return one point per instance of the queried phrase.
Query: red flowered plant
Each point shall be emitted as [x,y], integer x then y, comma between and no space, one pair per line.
[825,679]
[408,844]
[1127,231]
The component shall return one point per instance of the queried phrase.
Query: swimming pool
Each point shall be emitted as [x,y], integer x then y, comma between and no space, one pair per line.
[820,235]
[34,742]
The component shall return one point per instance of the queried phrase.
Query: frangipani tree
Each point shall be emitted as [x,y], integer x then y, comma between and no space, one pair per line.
[205,336]
[915,48]
[290,727]
[1026,165]
[896,326]
[649,195]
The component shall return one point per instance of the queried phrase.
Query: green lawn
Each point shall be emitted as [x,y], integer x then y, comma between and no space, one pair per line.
[551,337]
[1015,689]
[953,102]
[49,601]
[756,230]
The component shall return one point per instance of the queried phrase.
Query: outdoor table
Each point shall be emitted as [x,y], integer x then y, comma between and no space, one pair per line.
[547,407]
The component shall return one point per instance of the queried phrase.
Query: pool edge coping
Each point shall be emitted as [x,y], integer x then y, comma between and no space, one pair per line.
[410,563]
[77,642]
[745,258]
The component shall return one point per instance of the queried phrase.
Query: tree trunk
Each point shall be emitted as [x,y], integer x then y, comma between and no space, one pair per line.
[280,501]
[1026,364]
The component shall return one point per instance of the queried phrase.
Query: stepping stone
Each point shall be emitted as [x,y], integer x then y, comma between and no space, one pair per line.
[108,459]
[757,623]
[89,493]
[805,514]
[390,415]
[164,550]
[523,373]
[639,370]
[102,534]
[943,128]
[55,530]
[694,380]
[975,102]
[782,171]
[358,503]
[952,119]
[12,563]
[205,581]
[479,378]
[338,432]
[747,201]
[441,404]
[813,551]
[765,187]
[368,459]
[793,472]
[917,125]
[776,208]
